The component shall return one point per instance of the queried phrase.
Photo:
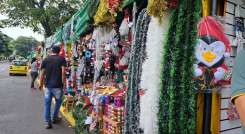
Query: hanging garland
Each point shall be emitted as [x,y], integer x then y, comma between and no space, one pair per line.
[177,97]
[149,102]
[114,6]
[103,14]
[137,58]
[157,8]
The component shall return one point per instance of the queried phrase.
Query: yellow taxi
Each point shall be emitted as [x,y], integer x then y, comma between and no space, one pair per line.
[18,67]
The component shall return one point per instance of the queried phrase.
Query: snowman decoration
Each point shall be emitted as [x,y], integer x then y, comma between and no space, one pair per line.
[211,50]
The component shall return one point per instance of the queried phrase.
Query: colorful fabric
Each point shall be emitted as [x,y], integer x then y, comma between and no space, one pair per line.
[137,58]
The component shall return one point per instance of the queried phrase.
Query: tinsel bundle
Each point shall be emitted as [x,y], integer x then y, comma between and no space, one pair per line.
[114,6]
[103,15]
[137,58]
[177,105]
[150,69]
[157,8]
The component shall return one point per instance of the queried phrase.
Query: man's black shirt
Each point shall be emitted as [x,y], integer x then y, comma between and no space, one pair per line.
[52,66]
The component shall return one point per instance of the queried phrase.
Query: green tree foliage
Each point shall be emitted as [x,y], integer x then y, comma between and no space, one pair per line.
[5,47]
[41,15]
[24,45]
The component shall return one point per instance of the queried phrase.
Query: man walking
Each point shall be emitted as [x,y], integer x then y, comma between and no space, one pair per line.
[53,78]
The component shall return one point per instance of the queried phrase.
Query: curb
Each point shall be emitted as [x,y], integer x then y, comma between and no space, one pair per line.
[67,116]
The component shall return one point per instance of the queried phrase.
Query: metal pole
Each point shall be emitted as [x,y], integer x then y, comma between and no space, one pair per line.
[214,7]
[207,113]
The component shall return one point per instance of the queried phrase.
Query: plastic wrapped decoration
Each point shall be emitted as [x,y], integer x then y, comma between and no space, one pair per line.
[157,8]
[103,15]
[124,28]
[101,36]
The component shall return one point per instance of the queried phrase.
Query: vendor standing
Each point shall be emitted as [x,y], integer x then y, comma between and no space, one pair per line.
[238,86]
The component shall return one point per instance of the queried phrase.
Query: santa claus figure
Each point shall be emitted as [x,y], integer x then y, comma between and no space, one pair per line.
[211,50]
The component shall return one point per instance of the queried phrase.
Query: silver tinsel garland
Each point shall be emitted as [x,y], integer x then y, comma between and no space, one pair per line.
[137,58]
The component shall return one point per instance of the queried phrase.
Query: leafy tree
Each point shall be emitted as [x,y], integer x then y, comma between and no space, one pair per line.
[41,15]
[5,47]
[24,45]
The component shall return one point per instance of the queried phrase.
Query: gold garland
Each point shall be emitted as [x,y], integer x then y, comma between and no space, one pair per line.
[103,15]
[157,8]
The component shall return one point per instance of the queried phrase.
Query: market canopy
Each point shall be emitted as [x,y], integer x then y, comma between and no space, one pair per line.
[127,2]
[83,18]
[49,42]
[79,23]
[58,36]
[66,32]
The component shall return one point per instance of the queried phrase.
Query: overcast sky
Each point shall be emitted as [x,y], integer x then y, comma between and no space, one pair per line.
[15,32]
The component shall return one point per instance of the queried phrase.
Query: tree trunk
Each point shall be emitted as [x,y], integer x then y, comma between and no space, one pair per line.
[47,28]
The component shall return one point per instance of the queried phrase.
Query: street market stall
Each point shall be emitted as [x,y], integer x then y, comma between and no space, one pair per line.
[143,66]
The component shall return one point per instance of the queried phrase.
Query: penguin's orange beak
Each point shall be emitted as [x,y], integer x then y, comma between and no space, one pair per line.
[209,56]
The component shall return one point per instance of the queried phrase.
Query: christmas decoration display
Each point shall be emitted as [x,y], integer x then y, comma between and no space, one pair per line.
[177,95]
[144,66]
[136,60]
[150,69]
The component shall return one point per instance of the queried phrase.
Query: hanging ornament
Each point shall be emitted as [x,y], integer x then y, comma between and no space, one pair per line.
[212,48]
[88,54]
[124,28]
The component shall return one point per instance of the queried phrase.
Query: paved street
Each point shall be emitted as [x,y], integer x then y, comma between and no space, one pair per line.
[21,110]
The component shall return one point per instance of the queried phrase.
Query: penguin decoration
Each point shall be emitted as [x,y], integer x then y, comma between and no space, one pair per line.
[212,48]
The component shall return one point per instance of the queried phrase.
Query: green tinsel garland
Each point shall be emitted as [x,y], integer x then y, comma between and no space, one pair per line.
[177,99]
[166,67]
[135,69]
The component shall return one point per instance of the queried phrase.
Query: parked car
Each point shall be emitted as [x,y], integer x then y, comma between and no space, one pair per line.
[18,67]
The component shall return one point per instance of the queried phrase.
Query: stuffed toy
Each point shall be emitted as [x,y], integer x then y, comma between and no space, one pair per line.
[212,49]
